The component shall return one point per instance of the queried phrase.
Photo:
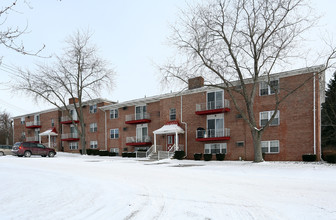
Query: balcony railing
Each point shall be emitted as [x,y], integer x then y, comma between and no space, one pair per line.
[213,107]
[213,134]
[32,139]
[137,141]
[137,118]
[67,120]
[69,137]
[33,124]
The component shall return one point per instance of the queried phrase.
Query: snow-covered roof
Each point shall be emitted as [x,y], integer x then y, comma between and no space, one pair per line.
[169,129]
[50,132]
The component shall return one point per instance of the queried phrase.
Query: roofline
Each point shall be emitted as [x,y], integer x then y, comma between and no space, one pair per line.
[156,98]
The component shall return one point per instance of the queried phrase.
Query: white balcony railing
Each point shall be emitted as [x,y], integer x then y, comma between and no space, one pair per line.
[213,133]
[138,116]
[35,138]
[67,118]
[69,136]
[143,139]
[33,123]
[213,105]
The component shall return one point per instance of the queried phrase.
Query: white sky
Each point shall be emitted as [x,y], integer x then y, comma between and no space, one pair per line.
[131,34]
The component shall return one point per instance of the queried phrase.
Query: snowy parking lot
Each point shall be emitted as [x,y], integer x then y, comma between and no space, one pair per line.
[71,186]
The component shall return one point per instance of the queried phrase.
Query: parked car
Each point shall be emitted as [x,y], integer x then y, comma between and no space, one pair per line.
[5,150]
[27,149]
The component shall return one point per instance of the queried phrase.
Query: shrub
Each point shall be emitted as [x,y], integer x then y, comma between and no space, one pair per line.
[131,154]
[198,156]
[207,157]
[220,157]
[309,157]
[103,153]
[112,154]
[89,151]
[330,158]
[180,154]
[124,154]
[80,151]
[95,151]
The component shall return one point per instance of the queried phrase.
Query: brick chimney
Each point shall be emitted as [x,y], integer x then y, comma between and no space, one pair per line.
[196,82]
[73,100]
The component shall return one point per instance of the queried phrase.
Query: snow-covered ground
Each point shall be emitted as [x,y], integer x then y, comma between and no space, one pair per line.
[92,187]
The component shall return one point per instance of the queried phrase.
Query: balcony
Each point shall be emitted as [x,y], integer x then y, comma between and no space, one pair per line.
[67,120]
[70,137]
[138,118]
[138,141]
[34,139]
[33,124]
[213,135]
[212,107]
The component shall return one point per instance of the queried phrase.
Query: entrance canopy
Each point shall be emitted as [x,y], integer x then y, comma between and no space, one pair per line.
[169,129]
[50,132]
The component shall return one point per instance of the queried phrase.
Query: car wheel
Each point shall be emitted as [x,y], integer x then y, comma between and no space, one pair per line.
[51,154]
[2,153]
[27,154]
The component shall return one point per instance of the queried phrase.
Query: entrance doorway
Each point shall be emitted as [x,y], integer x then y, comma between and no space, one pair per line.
[170,141]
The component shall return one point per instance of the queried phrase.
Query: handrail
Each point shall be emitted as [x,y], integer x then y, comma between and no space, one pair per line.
[150,150]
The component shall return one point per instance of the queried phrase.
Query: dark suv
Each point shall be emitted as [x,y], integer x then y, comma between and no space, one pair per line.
[27,149]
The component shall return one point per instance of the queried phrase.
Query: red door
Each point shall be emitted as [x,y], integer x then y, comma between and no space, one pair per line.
[170,141]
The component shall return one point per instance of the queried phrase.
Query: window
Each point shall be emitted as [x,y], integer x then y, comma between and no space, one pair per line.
[22,120]
[93,144]
[52,123]
[73,145]
[270,146]
[215,100]
[268,89]
[266,116]
[219,148]
[142,133]
[215,125]
[140,112]
[114,133]
[115,150]
[240,143]
[73,114]
[93,108]
[114,113]
[172,114]
[93,127]
[23,135]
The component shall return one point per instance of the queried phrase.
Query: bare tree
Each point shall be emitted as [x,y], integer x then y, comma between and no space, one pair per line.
[241,41]
[6,131]
[10,35]
[78,73]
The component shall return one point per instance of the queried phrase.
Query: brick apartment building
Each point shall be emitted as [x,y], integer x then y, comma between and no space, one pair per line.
[198,120]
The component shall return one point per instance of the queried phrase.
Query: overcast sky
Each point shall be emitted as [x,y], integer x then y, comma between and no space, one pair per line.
[130,34]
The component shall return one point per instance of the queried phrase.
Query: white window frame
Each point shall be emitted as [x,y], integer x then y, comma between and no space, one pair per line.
[216,105]
[23,120]
[93,144]
[115,133]
[114,113]
[142,112]
[93,127]
[23,135]
[115,150]
[270,144]
[93,108]
[208,148]
[73,145]
[264,85]
[172,114]
[266,115]
[140,136]
[52,122]
[216,131]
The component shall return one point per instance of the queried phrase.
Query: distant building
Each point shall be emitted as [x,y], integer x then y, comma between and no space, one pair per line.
[198,120]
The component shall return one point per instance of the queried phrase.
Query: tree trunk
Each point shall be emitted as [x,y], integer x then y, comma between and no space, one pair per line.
[256,135]
[82,138]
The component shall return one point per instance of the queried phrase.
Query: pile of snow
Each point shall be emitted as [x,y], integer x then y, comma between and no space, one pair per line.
[72,186]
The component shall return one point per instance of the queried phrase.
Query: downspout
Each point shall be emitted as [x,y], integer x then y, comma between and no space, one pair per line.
[314,111]
[186,128]
[105,129]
